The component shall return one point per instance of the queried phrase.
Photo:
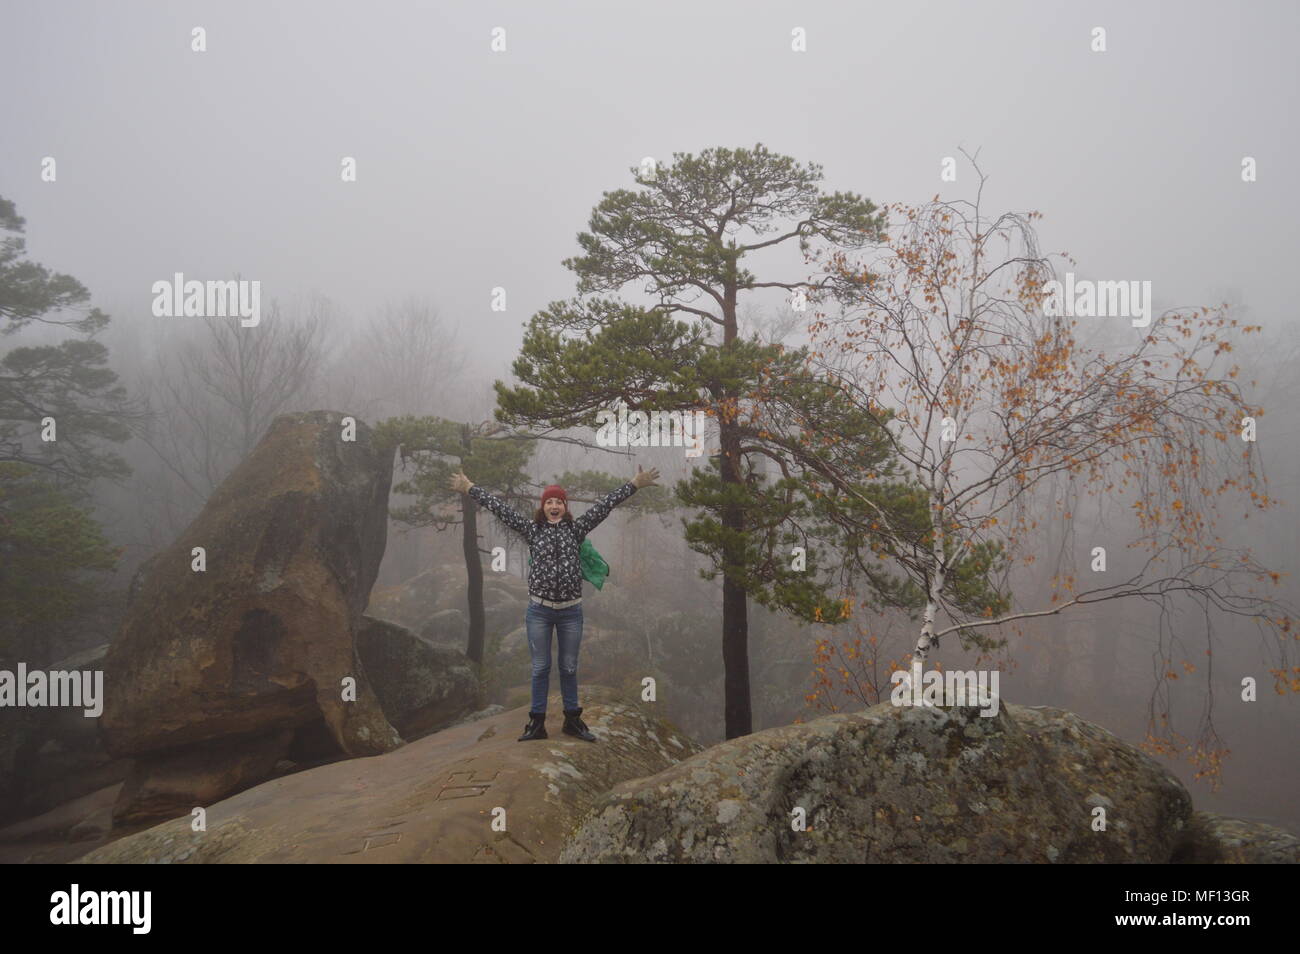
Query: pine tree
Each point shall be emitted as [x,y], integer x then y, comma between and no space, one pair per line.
[438,448]
[683,237]
[48,537]
[48,541]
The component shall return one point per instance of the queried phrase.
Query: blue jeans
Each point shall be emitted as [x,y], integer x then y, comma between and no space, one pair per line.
[567,623]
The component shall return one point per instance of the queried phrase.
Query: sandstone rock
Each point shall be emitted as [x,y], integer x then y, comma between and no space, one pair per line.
[421,687]
[415,602]
[1213,839]
[212,672]
[176,783]
[64,774]
[429,801]
[446,628]
[60,821]
[484,713]
[264,638]
[899,785]
[94,827]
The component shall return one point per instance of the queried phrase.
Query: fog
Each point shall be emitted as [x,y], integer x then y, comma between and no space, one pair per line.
[476,169]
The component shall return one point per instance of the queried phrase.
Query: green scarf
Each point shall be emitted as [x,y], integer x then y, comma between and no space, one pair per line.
[594,567]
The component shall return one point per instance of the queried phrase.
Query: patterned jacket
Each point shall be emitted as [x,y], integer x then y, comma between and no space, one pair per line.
[556,573]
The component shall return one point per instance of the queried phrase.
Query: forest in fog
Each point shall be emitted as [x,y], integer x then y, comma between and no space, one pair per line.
[973,401]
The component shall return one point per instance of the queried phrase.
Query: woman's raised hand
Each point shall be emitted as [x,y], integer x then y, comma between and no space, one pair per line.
[460,483]
[644,478]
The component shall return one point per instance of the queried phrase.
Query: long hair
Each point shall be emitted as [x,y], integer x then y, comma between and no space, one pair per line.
[540,515]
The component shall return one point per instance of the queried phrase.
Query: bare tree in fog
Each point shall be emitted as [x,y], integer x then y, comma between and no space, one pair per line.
[405,360]
[213,398]
[254,374]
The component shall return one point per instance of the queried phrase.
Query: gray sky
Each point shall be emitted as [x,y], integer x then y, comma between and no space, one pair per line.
[477,169]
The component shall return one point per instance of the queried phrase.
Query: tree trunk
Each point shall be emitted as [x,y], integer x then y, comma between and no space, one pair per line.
[1056,667]
[735,606]
[474,578]
[925,639]
[1105,662]
[473,565]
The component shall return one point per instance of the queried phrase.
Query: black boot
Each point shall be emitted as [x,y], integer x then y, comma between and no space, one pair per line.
[573,725]
[536,727]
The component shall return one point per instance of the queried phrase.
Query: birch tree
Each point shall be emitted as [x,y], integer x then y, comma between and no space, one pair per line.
[1002,420]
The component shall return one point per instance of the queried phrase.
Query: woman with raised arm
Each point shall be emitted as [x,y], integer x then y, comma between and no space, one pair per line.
[554,587]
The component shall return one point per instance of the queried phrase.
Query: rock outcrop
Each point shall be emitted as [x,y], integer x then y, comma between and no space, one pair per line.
[899,785]
[66,821]
[1213,839]
[422,687]
[467,794]
[212,672]
[432,603]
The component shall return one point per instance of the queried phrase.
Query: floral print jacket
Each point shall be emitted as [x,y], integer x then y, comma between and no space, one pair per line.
[556,573]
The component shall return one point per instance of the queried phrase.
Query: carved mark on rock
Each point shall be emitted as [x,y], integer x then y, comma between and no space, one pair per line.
[464,785]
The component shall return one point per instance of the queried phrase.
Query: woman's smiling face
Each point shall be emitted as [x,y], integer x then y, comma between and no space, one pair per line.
[554,509]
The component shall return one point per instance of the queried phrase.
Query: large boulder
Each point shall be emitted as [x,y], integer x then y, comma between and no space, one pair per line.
[174,783]
[466,794]
[899,785]
[417,602]
[446,628]
[421,687]
[1213,839]
[263,640]
[413,601]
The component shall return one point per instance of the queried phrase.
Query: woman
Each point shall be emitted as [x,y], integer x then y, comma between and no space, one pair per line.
[554,587]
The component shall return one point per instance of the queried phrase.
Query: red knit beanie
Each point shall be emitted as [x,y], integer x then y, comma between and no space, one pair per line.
[555,490]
